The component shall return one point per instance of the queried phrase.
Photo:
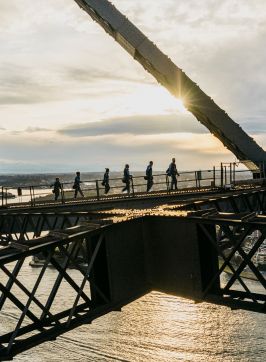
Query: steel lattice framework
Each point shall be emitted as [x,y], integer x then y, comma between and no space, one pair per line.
[96,281]
[251,202]
[235,229]
[36,320]
[17,226]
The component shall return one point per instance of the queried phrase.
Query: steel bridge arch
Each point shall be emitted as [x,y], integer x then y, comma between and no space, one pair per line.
[176,82]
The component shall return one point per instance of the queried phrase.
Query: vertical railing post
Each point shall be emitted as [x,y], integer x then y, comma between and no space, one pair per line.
[132,185]
[19,191]
[167,183]
[230,170]
[222,175]
[6,196]
[62,193]
[2,196]
[225,174]
[31,197]
[97,190]
[199,178]
[214,176]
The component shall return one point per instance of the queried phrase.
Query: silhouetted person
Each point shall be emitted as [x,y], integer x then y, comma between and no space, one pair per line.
[105,182]
[172,172]
[76,185]
[149,176]
[126,179]
[57,188]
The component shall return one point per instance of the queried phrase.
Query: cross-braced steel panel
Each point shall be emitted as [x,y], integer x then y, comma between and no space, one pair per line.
[45,308]
[25,226]
[239,202]
[240,243]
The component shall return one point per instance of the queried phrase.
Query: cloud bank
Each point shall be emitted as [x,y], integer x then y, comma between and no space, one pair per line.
[137,125]
[68,91]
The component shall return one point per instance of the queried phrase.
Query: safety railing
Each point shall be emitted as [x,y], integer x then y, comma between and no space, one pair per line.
[224,176]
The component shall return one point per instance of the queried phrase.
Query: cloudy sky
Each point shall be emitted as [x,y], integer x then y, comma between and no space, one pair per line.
[71,98]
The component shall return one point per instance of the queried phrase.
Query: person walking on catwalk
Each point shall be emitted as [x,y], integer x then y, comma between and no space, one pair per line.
[76,185]
[126,179]
[57,188]
[149,176]
[173,173]
[105,181]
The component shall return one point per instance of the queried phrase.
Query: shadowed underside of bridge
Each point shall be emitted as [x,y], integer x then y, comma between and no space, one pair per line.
[116,258]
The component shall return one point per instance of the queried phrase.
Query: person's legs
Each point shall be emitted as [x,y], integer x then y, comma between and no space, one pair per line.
[149,185]
[128,186]
[80,191]
[107,188]
[174,183]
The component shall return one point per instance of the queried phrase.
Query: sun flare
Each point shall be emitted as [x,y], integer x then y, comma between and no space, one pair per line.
[152,99]
[180,105]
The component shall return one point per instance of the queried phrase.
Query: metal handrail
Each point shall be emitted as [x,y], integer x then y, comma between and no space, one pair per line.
[94,190]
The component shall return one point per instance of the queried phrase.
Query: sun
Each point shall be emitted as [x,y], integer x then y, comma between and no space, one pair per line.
[180,105]
[152,99]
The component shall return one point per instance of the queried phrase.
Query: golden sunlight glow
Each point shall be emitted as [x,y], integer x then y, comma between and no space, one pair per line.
[152,99]
[180,106]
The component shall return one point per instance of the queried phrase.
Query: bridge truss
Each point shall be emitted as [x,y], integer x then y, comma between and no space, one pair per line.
[105,266]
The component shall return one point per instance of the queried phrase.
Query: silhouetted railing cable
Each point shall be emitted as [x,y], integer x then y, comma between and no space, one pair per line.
[218,177]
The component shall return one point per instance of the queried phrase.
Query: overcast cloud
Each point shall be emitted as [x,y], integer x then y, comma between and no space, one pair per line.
[137,125]
[68,91]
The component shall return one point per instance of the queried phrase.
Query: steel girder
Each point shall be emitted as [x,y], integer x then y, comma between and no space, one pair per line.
[175,81]
[251,201]
[28,225]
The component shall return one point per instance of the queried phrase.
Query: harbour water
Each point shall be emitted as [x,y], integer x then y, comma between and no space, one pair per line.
[157,327]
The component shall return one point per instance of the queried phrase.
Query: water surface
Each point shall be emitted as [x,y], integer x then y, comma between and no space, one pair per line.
[157,327]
